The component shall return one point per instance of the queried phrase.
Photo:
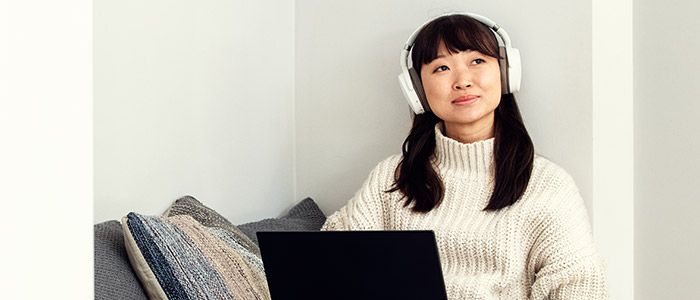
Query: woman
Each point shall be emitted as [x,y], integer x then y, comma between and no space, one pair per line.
[509,224]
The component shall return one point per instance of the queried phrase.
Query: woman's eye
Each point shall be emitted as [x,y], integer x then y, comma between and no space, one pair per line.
[442,68]
[478,61]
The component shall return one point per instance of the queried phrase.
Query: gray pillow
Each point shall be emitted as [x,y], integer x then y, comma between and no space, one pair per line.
[305,216]
[114,277]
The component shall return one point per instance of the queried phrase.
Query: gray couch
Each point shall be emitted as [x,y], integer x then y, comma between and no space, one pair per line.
[114,276]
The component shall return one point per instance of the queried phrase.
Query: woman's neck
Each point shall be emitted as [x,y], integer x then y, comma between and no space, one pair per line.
[474,160]
[468,133]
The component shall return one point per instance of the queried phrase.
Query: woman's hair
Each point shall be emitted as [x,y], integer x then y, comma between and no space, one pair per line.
[513,150]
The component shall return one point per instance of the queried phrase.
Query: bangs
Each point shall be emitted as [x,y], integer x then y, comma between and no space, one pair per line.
[459,33]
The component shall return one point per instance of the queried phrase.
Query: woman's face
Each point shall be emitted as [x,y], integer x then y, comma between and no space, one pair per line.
[463,89]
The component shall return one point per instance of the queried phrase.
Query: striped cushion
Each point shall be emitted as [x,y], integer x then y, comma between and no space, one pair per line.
[216,223]
[176,257]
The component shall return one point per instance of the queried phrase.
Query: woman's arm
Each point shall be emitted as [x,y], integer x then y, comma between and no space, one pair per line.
[365,211]
[564,259]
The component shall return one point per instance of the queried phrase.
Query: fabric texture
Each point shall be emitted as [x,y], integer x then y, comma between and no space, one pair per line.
[541,247]
[177,257]
[114,277]
[304,216]
[214,221]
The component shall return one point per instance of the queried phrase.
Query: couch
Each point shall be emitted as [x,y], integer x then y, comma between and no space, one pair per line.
[189,252]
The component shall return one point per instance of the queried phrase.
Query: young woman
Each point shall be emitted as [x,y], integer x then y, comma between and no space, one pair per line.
[509,224]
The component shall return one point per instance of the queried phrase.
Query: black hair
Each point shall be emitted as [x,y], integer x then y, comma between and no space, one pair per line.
[416,177]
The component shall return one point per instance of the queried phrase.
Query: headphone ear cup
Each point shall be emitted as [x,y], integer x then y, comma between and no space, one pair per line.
[408,90]
[514,70]
[503,64]
[510,69]
[418,88]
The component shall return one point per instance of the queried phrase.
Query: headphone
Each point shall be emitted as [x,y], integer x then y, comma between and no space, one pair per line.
[412,86]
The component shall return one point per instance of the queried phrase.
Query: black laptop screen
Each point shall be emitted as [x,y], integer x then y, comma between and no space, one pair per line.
[352,265]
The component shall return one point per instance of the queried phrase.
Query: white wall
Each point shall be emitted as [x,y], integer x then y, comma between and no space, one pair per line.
[193,97]
[46,149]
[613,146]
[667,149]
[351,114]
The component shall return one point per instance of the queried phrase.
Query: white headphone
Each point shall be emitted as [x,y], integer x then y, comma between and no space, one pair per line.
[510,65]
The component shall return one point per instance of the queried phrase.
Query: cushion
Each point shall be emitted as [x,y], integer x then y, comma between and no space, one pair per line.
[177,257]
[217,224]
[304,216]
[191,251]
[114,277]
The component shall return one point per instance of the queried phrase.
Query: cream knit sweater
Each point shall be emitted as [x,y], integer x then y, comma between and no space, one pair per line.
[538,248]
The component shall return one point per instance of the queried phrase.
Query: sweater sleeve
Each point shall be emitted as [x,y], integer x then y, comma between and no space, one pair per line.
[564,259]
[366,210]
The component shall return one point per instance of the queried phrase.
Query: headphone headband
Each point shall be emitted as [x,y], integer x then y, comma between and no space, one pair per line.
[483,20]
[510,65]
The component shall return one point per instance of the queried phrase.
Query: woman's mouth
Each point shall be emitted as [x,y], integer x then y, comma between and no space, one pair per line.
[465,100]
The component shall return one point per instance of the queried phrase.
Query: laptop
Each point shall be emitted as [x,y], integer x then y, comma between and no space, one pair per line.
[352,265]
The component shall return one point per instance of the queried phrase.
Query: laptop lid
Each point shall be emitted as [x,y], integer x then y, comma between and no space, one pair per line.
[352,265]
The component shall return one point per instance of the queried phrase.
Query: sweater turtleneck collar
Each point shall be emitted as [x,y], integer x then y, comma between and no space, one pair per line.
[474,158]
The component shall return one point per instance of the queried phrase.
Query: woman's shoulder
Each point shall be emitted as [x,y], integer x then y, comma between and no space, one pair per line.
[550,184]
[388,164]
[391,161]
[384,172]
[545,170]
[551,191]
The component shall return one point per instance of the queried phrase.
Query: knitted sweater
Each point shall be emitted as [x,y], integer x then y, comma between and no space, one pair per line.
[538,248]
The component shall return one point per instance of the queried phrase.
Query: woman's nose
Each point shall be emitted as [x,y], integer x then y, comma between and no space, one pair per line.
[462,80]
[460,86]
